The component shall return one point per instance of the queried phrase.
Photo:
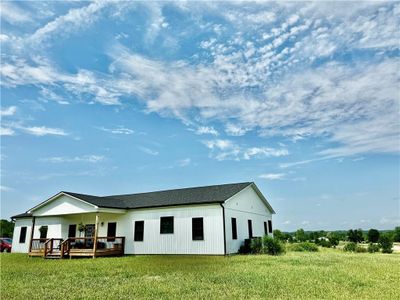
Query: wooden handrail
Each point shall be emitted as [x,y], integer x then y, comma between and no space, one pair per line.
[65,247]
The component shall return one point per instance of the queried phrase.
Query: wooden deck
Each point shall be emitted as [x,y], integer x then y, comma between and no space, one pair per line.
[78,247]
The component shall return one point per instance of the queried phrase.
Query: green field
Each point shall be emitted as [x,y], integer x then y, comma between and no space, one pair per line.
[325,274]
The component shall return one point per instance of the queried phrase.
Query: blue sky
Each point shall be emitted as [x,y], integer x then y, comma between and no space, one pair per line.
[123,97]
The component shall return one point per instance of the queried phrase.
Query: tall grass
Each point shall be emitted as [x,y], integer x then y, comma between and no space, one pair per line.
[302,275]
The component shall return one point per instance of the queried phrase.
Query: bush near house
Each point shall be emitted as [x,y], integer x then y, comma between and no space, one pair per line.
[305,246]
[265,245]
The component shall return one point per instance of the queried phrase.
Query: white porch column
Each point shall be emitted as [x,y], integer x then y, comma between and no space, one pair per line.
[96,234]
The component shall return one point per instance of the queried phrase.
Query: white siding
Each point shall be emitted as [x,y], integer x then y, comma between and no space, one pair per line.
[16,245]
[180,242]
[244,206]
[64,205]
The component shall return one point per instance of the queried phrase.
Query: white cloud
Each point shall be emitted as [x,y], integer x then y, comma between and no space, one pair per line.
[228,150]
[184,162]
[273,176]
[75,18]
[64,159]
[235,130]
[207,130]
[42,131]
[4,131]
[118,130]
[264,152]
[148,151]
[8,111]
[5,188]
[13,14]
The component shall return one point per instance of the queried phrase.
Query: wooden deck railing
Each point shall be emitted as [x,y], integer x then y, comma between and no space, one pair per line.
[84,246]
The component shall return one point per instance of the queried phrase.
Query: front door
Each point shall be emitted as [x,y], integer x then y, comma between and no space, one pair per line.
[89,233]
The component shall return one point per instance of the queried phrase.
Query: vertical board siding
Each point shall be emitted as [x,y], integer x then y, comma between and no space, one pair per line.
[244,206]
[180,242]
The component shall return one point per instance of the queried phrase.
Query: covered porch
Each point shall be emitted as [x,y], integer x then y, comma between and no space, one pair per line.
[67,227]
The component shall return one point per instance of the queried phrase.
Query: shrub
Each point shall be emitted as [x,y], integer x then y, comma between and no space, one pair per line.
[256,245]
[324,243]
[386,243]
[245,247]
[350,247]
[360,249]
[305,246]
[355,235]
[373,235]
[272,246]
[372,248]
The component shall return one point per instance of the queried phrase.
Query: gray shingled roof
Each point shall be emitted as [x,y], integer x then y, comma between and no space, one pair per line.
[194,195]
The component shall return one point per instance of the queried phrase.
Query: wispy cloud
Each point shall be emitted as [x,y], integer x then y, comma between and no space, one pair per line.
[8,111]
[148,151]
[228,150]
[13,14]
[184,162]
[42,131]
[4,131]
[207,130]
[64,159]
[273,176]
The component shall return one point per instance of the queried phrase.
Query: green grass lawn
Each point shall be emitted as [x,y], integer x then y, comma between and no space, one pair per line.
[325,274]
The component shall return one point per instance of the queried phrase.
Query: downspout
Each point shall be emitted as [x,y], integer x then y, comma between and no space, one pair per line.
[223,219]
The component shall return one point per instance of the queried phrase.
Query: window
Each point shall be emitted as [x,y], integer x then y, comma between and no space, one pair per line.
[22,235]
[265,228]
[197,229]
[166,225]
[43,232]
[269,226]
[71,230]
[111,231]
[139,230]
[250,225]
[234,229]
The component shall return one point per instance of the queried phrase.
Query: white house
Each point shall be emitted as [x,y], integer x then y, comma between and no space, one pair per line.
[201,220]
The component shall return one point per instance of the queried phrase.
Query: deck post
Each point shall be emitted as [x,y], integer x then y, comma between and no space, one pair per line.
[96,234]
[32,231]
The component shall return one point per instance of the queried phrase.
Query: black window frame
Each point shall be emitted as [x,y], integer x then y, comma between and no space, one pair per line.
[139,235]
[250,228]
[265,228]
[167,225]
[198,229]
[71,230]
[111,232]
[234,228]
[22,235]
[269,226]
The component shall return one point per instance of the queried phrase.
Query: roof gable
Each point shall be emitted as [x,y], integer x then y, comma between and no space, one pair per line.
[69,202]
[61,204]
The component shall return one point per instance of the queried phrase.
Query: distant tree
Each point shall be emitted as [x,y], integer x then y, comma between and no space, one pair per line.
[279,235]
[333,238]
[386,243]
[288,237]
[300,235]
[373,235]
[355,235]
[396,234]
[6,228]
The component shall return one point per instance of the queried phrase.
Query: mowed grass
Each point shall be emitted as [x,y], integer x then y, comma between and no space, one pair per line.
[326,274]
